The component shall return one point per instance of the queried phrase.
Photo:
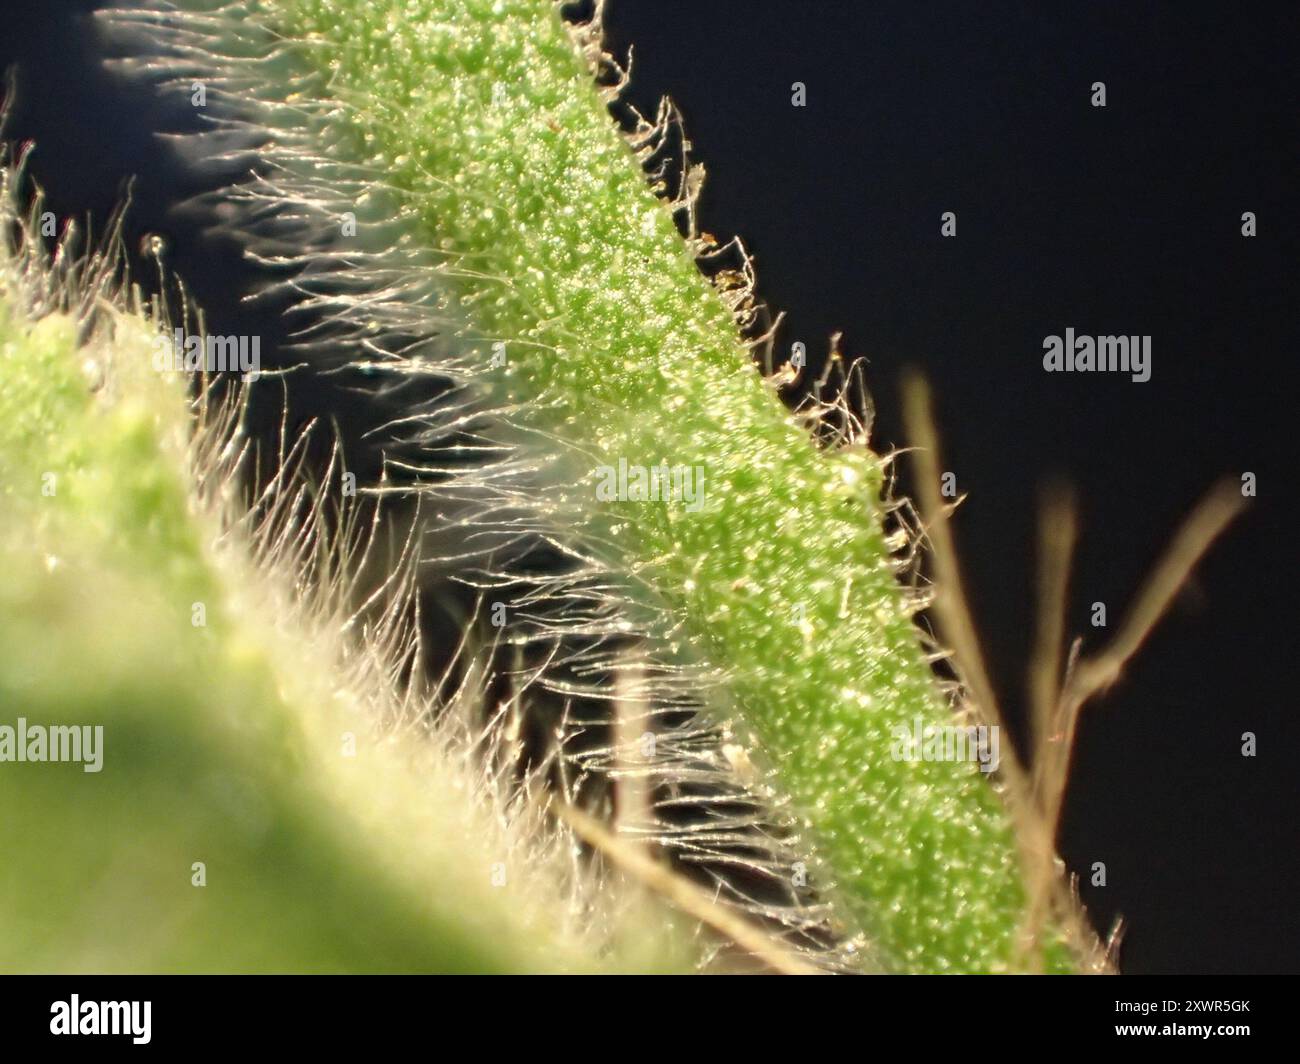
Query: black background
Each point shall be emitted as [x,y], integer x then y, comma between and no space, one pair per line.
[1117,220]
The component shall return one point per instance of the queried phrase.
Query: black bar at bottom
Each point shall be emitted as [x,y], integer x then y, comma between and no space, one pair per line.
[337,1012]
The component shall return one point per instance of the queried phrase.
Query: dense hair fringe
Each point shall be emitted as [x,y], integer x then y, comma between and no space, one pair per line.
[585,687]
